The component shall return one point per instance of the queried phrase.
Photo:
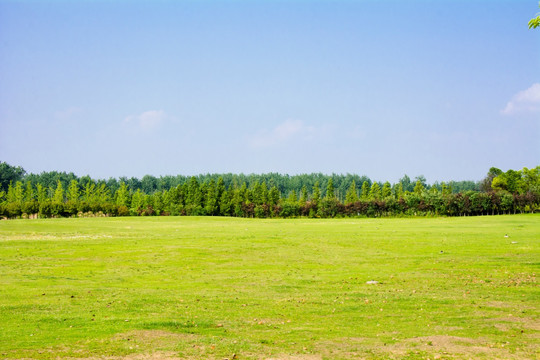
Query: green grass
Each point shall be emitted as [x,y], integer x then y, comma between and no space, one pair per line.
[188,287]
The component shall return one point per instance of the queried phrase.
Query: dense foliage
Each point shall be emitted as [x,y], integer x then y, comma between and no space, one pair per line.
[55,194]
[534,22]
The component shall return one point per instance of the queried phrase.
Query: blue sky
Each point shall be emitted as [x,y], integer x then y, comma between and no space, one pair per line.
[445,89]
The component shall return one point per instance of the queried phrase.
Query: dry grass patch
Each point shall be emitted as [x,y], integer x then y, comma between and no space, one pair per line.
[455,347]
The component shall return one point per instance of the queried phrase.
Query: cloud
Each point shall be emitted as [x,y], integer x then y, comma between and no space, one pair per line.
[283,133]
[147,120]
[524,101]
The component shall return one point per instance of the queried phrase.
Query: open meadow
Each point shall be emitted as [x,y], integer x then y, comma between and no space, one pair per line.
[216,288]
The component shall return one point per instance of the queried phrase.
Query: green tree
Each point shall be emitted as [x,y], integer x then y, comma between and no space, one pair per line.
[225,203]
[535,22]
[375,191]
[419,187]
[316,197]
[446,190]
[157,202]
[364,191]
[9,174]
[122,195]
[137,202]
[257,193]
[485,185]
[19,192]
[211,198]
[220,187]
[89,192]
[406,183]
[303,195]
[103,194]
[352,196]
[73,192]
[531,179]
[149,184]
[293,199]
[194,197]
[29,193]
[398,190]
[510,181]
[15,194]
[41,193]
[330,189]
[238,199]
[386,190]
[58,193]
[273,196]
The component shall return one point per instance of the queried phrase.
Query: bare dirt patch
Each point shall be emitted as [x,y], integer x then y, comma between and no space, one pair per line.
[527,323]
[159,355]
[444,346]
[295,357]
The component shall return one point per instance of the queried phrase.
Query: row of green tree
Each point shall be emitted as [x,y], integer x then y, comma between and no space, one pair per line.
[500,192]
[150,184]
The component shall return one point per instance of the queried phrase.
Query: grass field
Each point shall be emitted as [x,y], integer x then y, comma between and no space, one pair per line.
[188,287]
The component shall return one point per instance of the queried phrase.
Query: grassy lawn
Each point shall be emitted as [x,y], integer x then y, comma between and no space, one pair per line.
[188,287]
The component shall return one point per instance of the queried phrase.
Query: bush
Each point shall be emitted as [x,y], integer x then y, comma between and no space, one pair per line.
[122,211]
[30,207]
[13,210]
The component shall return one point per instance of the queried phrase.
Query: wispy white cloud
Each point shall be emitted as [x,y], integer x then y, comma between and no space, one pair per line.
[524,101]
[283,133]
[67,113]
[147,120]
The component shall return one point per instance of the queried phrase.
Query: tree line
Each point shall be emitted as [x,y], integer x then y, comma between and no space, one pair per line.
[60,194]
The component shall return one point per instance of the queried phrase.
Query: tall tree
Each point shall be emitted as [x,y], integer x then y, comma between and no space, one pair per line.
[446,190]
[19,192]
[73,192]
[352,196]
[11,198]
[89,192]
[303,195]
[9,174]
[406,183]
[137,202]
[220,187]
[485,185]
[122,195]
[364,191]
[211,198]
[386,190]
[41,193]
[375,191]
[273,196]
[398,190]
[194,196]
[316,197]
[293,199]
[419,187]
[103,194]
[330,189]
[59,193]
[149,184]
[29,193]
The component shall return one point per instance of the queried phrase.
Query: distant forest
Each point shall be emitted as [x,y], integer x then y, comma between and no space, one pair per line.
[61,194]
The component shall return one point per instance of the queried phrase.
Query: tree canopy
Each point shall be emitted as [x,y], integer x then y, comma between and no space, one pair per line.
[535,22]
[54,194]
